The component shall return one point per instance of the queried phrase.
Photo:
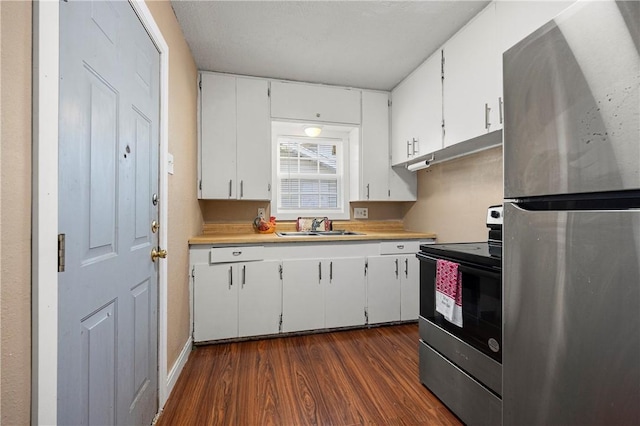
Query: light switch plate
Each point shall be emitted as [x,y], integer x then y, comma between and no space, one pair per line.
[360,213]
[170,163]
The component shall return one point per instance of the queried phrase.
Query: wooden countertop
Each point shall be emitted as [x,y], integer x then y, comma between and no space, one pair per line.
[241,233]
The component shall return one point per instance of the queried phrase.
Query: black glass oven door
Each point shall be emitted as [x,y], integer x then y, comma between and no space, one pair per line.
[481,305]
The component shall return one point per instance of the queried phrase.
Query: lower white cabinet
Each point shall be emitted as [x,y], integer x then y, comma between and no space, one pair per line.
[344,296]
[243,290]
[393,288]
[322,293]
[383,289]
[236,300]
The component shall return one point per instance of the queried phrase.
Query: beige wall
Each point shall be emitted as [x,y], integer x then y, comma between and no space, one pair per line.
[15,212]
[453,197]
[185,219]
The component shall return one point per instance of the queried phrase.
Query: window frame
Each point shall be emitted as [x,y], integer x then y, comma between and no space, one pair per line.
[341,140]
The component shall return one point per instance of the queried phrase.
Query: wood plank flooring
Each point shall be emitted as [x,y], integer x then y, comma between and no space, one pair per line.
[355,377]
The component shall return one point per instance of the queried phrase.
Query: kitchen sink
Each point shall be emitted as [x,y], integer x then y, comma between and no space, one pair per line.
[337,232]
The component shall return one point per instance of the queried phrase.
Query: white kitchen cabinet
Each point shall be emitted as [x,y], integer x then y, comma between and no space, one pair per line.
[235,138]
[259,298]
[322,293]
[302,295]
[344,296]
[313,102]
[393,282]
[409,288]
[374,146]
[519,19]
[383,289]
[377,180]
[236,300]
[215,302]
[471,84]
[416,112]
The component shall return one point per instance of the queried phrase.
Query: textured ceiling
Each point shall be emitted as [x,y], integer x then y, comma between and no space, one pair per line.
[367,44]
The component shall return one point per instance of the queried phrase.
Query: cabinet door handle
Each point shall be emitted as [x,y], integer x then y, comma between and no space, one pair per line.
[406,268]
[230,276]
[500,108]
[400,246]
[241,188]
[416,146]
[230,183]
[330,271]
[396,268]
[237,253]
[319,271]
[244,275]
[486,116]
[367,191]
[408,149]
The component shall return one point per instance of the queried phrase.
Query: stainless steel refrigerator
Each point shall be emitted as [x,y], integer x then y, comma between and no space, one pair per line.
[571,274]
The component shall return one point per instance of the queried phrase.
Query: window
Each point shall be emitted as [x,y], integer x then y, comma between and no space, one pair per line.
[309,176]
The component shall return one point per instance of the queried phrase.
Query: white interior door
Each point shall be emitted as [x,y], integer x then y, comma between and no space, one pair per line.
[108,173]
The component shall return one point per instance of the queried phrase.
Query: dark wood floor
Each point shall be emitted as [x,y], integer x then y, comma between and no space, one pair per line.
[355,377]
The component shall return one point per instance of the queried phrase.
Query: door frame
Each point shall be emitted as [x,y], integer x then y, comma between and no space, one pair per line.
[44,260]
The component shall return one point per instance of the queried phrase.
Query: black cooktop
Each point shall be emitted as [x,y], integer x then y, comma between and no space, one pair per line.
[480,253]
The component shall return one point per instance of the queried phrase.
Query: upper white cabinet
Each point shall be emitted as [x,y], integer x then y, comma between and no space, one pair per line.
[519,19]
[471,85]
[374,147]
[373,178]
[416,113]
[235,132]
[310,102]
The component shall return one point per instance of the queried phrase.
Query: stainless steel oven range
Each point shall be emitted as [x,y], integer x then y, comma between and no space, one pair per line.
[461,363]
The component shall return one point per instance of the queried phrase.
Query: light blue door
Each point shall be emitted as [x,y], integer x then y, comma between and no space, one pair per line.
[108,174]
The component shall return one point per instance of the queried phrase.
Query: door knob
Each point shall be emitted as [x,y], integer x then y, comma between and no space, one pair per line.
[158,254]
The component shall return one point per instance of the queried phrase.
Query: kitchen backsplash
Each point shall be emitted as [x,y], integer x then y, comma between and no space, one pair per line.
[241,211]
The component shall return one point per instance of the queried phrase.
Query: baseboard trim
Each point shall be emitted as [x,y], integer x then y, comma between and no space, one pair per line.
[172,378]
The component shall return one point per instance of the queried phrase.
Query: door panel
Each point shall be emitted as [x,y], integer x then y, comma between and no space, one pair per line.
[260,300]
[302,295]
[345,292]
[383,289]
[215,300]
[98,388]
[571,316]
[410,288]
[572,104]
[107,173]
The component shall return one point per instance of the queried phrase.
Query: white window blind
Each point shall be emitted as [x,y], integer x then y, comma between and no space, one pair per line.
[309,174]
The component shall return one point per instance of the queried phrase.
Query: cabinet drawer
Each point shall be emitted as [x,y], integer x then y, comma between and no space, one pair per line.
[399,247]
[236,254]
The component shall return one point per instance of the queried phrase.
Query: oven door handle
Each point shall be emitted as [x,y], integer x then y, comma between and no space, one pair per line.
[477,270]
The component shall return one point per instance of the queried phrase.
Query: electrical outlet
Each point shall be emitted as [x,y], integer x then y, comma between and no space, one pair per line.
[262,212]
[360,213]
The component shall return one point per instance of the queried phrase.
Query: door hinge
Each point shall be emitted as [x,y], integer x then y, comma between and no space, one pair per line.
[280,270]
[366,267]
[61,252]
[366,316]
[442,65]
[200,84]
[193,271]
[200,184]
[280,324]
[389,193]
[389,103]
[268,92]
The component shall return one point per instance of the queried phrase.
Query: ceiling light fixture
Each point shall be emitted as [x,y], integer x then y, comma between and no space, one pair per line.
[312,131]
